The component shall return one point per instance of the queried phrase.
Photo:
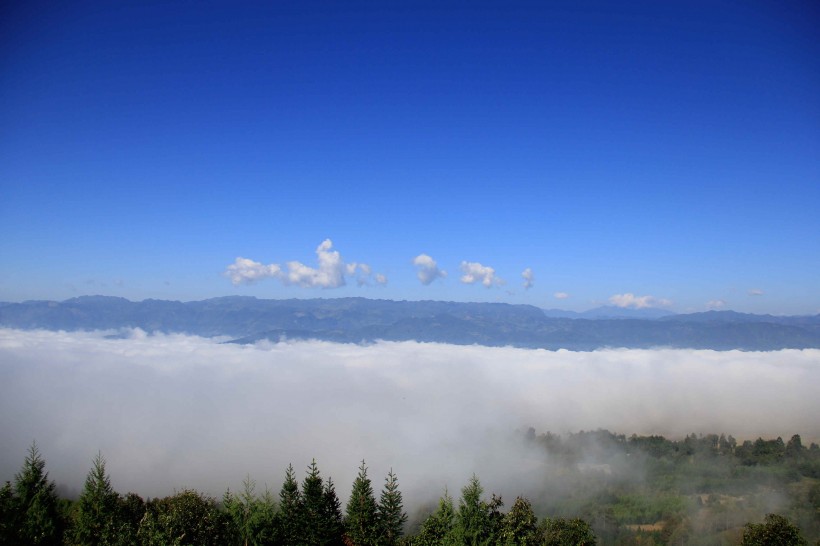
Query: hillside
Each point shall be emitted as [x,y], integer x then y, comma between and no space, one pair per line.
[356,320]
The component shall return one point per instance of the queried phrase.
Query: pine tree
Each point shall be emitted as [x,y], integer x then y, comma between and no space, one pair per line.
[97,518]
[8,515]
[332,526]
[473,521]
[312,501]
[391,511]
[250,517]
[361,520]
[38,518]
[290,510]
[438,528]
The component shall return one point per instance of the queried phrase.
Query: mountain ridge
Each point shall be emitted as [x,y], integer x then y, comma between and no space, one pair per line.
[247,319]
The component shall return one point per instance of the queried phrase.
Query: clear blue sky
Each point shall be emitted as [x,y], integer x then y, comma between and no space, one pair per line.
[668,150]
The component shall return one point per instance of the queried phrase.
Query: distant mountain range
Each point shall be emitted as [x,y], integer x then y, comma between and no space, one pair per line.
[360,320]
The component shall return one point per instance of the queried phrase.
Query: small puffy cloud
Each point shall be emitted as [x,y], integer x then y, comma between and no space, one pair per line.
[715,304]
[427,270]
[380,279]
[248,271]
[631,301]
[330,273]
[529,279]
[560,295]
[755,292]
[474,272]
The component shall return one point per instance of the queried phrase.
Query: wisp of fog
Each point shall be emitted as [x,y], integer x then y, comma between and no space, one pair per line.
[174,411]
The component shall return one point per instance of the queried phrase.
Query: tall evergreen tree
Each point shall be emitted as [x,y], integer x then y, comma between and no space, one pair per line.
[290,510]
[8,515]
[38,519]
[322,524]
[97,518]
[332,525]
[252,518]
[361,522]
[438,528]
[391,511]
[474,523]
[312,501]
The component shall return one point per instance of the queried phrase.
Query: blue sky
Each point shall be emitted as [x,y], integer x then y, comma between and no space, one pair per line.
[667,150]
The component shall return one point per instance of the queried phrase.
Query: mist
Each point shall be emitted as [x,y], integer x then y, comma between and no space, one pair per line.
[175,411]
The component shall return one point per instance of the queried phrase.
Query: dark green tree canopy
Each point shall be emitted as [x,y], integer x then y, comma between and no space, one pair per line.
[775,531]
[361,514]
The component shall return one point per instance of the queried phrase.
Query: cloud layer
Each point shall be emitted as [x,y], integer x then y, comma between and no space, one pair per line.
[174,411]
[330,273]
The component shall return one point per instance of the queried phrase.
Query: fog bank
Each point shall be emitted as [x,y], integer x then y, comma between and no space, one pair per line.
[170,411]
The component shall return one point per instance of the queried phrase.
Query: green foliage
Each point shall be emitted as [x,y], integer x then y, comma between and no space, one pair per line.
[8,515]
[477,522]
[332,525]
[185,518]
[290,509]
[34,507]
[438,528]
[362,518]
[391,511]
[252,519]
[321,511]
[776,531]
[97,513]
[519,526]
[567,532]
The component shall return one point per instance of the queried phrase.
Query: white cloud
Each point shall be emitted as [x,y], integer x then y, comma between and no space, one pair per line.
[630,300]
[171,411]
[248,271]
[380,279]
[330,273]
[474,272]
[755,292]
[427,270]
[529,279]
[715,304]
[560,295]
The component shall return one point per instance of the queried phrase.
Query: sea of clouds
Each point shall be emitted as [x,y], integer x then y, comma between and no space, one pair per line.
[174,411]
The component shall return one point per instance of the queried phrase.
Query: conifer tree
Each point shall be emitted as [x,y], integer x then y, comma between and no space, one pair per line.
[8,515]
[36,505]
[321,511]
[473,521]
[312,501]
[332,526]
[391,511]
[252,519]
[361,522]
[290,509]
[438,528]
[97,518]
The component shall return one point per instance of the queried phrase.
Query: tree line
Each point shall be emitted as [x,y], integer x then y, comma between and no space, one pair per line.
[306,514]
[310,513]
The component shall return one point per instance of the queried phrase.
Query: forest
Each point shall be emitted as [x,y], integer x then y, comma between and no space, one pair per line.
[598,488]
